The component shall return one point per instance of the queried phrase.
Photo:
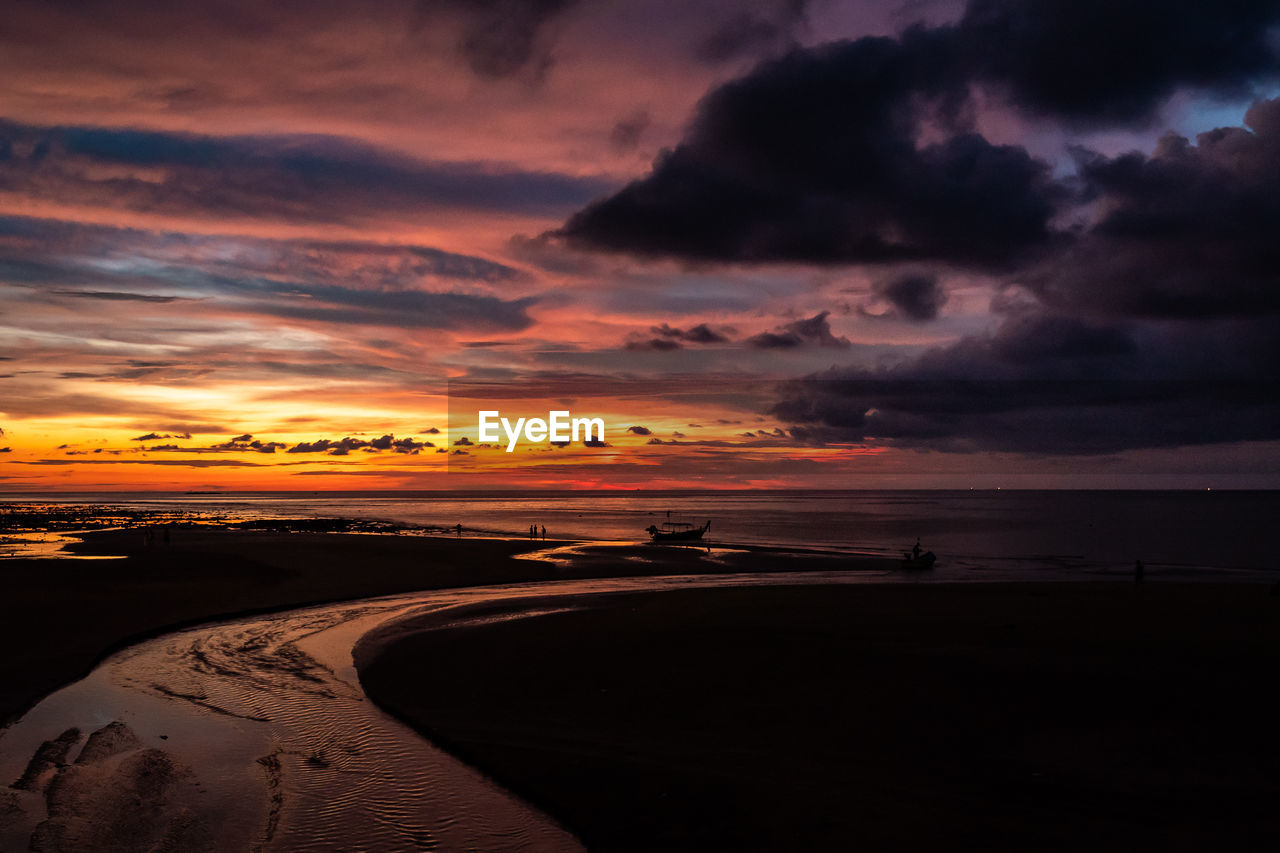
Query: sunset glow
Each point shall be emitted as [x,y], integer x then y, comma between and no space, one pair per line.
[308,234]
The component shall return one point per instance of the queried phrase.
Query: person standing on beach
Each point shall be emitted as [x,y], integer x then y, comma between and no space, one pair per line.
[459,529]
[544,531]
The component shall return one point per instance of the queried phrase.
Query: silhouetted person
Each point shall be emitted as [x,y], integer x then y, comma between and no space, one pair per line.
[1139,571]
[915,549]
[459,529]
[544,531]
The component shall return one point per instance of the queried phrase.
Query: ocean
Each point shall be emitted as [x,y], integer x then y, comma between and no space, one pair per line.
[976,534]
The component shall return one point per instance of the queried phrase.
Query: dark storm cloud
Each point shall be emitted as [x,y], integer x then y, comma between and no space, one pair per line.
[500,38]
[770,172]
[292,178]
[1188,232]
[1034,417]
[1138,299]
[773,170]
[813,331]
[915,296]
[667,338]
[704,334]
[1117,60]
[639,430]
[699,334]
[1052,384]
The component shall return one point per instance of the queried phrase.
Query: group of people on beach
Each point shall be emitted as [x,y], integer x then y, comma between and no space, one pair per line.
[534,532]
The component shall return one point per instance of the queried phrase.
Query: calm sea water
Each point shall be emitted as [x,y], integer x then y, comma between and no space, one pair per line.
[1009,532]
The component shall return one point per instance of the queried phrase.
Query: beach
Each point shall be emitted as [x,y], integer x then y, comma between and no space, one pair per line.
[844,702]
[59,616]
[988,716]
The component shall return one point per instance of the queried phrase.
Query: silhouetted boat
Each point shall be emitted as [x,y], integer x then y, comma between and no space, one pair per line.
[920,561]
[677,531]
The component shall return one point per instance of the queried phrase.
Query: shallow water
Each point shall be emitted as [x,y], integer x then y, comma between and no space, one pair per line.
[267,741]
[1020,533]
[43,544]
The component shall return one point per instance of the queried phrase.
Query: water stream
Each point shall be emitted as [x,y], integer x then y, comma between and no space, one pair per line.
[254,734]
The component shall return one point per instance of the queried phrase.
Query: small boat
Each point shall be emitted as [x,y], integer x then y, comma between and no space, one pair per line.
[919,561]
[677,531]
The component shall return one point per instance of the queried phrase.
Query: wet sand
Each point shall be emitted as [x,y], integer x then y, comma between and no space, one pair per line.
[985,716]
[262,715]
[59,616]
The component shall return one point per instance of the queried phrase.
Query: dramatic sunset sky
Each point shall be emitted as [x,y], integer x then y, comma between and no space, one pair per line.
[776,243]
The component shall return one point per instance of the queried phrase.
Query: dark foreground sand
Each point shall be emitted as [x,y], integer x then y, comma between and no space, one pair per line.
[58,617]
[1011,716]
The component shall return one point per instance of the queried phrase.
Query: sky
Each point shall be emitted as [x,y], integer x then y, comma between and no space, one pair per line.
[774,244]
